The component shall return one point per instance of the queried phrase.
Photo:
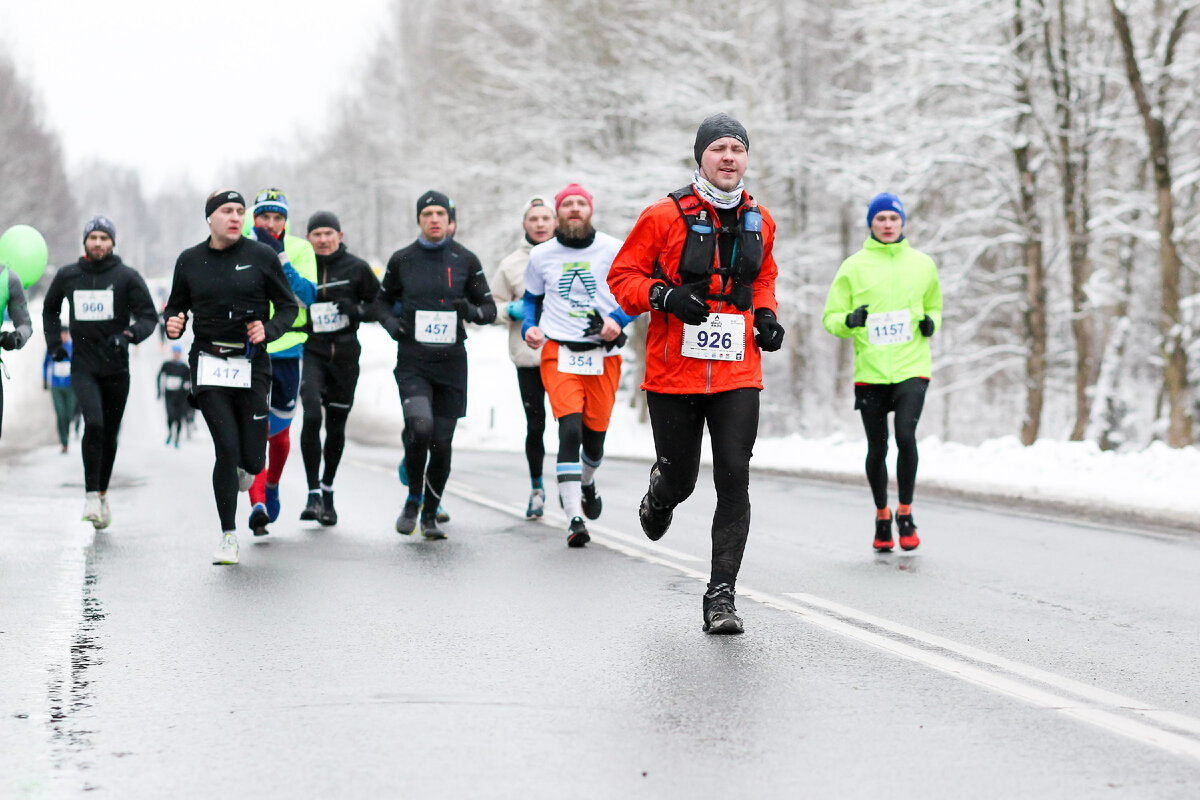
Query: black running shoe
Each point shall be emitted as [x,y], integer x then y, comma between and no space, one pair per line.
[259,520]
[592,504]
[430,529]
[328,514]
[577,533]
[720,615]
[406,523]
[655,517]
[312,511]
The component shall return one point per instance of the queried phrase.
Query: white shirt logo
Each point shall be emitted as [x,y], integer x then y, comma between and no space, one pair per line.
[240,267]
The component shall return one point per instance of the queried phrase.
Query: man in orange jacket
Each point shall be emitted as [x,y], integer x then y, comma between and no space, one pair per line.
[700,261]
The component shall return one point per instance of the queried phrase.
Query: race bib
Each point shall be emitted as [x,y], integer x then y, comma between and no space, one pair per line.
[722,337]
[93,305]
[891,327]
[436,327]
[232,373]
[172,383]
[582,362]
[326,319]
[61,369]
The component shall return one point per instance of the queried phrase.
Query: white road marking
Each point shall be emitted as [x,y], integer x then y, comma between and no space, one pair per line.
[1166,730]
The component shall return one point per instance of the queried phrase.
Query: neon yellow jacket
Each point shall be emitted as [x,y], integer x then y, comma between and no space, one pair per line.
[886,277]
[304,261]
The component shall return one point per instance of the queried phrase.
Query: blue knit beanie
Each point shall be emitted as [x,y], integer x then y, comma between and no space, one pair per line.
[885,201]
[270,200]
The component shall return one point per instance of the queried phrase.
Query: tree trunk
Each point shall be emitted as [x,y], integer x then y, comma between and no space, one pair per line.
[1175,388]
[1034,279]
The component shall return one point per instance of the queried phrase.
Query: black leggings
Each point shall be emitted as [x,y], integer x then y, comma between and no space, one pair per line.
[335,442]
[427,438]
[533,398]
[874,402]
[102,401]
[237,420]
[678,423]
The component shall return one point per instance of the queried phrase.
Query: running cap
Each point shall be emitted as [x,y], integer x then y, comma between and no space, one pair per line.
[885,201]
[269,200]
[100,223]
[570,190]
[435,198]
[718,126]
[534,202]
[218,199]
[324,219]
[176,348]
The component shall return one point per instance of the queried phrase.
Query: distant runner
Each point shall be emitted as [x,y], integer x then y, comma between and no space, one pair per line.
[175,384]
[572,316]
[888,298]
[56,378]
[508,290]
[228,283]
[346,292]
[431,288]
[111,309]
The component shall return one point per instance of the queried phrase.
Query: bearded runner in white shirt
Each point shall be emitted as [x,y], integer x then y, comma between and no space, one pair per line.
[569,310]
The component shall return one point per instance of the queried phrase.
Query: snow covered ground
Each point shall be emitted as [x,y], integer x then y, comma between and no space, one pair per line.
[1156,485]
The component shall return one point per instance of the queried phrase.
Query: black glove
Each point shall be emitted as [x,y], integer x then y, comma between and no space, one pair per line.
[468,311]
[617,343]
[11,340]
[770,332]
[680,301]
[118,342]
[59,353]
[926,326]
[857,318]
[349,309]
[595,323]
[395,327]
[268,238]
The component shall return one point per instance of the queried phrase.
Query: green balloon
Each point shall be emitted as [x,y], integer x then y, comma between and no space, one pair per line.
[23,249]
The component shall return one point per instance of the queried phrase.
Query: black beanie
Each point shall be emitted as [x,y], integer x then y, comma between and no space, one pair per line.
[435,198]
[324,219]
[716,127]
[100,223]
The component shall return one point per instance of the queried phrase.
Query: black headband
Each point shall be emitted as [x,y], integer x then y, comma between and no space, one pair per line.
[221,198]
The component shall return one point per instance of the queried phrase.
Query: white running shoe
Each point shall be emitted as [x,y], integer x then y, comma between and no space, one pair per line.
[105,514]
[227,553]
[92,509]
[245,480]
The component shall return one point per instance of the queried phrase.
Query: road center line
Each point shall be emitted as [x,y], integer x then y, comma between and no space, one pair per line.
[856,625]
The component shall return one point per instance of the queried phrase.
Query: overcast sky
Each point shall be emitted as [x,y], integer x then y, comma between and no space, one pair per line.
[178,88]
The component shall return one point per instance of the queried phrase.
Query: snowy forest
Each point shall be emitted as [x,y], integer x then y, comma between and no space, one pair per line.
[1047,152]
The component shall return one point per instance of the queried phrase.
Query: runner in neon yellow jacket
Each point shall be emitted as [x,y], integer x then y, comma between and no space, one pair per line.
[887,297]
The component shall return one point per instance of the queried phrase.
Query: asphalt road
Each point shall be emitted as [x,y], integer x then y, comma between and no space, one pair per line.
[1010,655]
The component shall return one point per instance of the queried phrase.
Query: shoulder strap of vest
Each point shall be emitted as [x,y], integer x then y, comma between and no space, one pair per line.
[686,201]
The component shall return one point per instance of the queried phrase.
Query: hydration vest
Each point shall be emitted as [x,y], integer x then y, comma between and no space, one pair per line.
[700,248]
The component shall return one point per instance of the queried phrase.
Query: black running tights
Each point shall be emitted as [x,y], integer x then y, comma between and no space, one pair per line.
[907,407]
[533,398]
[427,438]
[573,436]
[237,420]
[335,442]
[678,422]
[102,401]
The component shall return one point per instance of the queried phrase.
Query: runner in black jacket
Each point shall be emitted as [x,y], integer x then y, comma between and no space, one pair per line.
[346,293]
[227,282]
[429,290]
[175,381]
[111,308]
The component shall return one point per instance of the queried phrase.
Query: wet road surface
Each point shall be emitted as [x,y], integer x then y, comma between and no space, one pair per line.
[1008,656]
